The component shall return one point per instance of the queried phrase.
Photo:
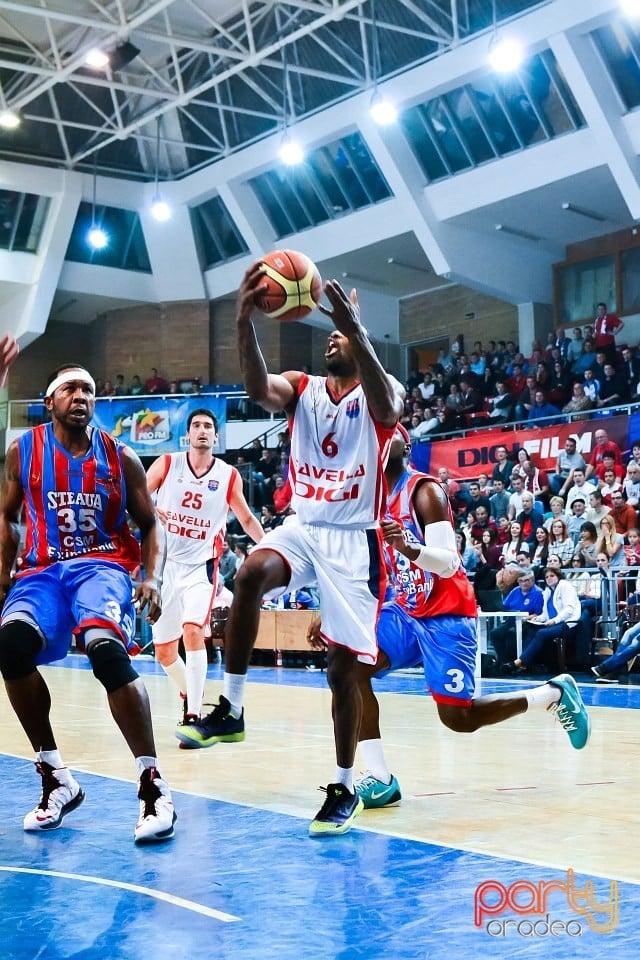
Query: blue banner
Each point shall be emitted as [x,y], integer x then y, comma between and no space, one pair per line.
[155,425]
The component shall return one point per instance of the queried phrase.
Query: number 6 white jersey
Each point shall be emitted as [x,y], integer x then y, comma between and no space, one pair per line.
[338,455]
[196,508]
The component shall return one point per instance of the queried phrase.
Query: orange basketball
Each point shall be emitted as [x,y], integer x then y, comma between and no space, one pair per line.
[294,285]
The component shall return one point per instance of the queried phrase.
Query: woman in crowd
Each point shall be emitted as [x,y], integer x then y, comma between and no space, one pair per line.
[512,547]
[560,542]
[560,615]
[540,551]
[556,511]
[611,542]
[467,553]
[578,577]
[487,561]
[587,543]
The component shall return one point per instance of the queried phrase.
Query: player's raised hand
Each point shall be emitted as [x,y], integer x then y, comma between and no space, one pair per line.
[346,309]
[9,350]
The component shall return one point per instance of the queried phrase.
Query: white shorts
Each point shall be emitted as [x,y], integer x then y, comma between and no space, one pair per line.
[187,597]
[348,566]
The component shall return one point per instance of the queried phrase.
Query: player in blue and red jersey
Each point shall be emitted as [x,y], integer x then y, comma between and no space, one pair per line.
[76,485]
[432,620]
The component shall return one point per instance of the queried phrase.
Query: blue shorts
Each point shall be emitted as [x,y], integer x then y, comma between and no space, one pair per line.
[446,646]
[70,596]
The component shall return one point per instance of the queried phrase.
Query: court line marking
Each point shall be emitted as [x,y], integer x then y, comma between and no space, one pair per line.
[132,888]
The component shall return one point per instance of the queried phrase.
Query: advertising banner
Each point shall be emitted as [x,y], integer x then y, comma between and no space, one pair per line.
[152,426]
[467,457]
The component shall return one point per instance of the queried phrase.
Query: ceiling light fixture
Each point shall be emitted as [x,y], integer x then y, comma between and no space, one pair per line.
[114,60]
[290,152]
[630,7]
[583,212]
[382,111]
[160,210]
[516,232]
[96,237]
[9,120]
[505,53]
[407,266]
[97,59]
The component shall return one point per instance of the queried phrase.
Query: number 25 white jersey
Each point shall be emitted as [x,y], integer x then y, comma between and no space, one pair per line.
[196,508]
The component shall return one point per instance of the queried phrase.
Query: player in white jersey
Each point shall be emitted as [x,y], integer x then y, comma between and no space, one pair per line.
[341,427]
[195,491]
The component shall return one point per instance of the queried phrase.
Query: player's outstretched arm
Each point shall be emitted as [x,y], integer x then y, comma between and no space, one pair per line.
[9,350]
[272,391]
[384,403]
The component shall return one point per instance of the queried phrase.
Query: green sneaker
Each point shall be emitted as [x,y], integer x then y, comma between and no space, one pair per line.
[571,712]
[217,727]
[377,793]
[337,813]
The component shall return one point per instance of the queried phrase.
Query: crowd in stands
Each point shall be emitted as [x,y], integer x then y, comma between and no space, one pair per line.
[554,546]
[575,372]
[154,384]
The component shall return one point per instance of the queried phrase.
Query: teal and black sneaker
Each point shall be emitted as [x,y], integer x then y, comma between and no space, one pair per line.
[571,712]
[377,793]
[219,726]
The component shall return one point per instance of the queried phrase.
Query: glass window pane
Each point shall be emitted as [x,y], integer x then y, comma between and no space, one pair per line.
[631,280]
[583,285]
[619,52]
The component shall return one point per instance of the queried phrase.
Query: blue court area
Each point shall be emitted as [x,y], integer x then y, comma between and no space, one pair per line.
[238,883]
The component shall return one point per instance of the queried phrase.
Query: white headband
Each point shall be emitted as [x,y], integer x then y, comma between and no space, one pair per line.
[67,376]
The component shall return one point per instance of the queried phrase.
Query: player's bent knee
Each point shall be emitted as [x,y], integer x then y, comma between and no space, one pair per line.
[458,719]
[110,664]
[20,642]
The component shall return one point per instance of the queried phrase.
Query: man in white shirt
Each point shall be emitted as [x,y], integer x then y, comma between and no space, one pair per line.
[581,487]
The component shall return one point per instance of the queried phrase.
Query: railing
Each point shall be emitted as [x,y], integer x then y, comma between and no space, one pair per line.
[516,425]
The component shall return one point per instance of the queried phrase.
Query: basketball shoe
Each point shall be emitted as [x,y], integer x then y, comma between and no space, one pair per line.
[217,727]
[337,813]
[157,815]
[570,711]
[377,793]
[60,795]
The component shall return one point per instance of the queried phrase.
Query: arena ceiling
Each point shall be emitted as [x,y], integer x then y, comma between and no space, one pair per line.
[195,80]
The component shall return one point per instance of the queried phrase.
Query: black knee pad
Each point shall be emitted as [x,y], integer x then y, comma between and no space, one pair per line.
[110,664]
[20,643]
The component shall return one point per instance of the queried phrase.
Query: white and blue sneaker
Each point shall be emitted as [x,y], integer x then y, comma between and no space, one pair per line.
[571,712]
[377,793]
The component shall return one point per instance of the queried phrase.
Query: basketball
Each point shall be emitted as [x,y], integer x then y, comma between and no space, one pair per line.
[294,285]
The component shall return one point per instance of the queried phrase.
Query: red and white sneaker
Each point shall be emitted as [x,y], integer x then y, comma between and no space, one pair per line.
[60,795]
[157,815]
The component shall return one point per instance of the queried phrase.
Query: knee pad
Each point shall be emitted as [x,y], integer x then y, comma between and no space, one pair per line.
[110,664]
[20,643]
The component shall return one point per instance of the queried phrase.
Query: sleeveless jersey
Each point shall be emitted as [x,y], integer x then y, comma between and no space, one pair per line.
[338,455]
[74,507]
[196,508]
[419,592]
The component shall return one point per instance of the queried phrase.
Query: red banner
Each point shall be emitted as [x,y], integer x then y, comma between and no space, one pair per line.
[467,457]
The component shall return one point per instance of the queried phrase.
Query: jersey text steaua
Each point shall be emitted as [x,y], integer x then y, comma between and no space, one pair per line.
[74,507]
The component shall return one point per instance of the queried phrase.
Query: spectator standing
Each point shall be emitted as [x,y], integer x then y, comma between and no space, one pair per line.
[606,327]
[155,383]
[503,467]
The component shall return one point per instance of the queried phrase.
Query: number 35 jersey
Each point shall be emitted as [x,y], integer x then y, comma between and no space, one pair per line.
[196,508]
[338,455]
[74,506]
